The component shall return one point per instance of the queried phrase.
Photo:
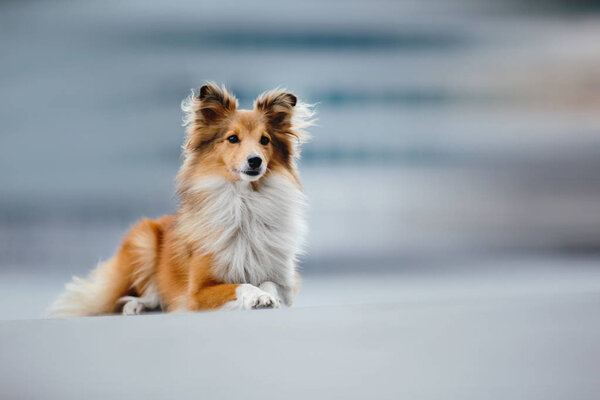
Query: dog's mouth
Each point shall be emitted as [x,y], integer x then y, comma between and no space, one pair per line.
[248,174]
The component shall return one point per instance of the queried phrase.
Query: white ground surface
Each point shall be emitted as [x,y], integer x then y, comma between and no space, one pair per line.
[513,329]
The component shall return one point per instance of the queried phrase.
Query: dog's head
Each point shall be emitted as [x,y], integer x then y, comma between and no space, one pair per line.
[242,144]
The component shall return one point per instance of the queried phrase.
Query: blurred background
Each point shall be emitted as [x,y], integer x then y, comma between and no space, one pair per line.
[457,150]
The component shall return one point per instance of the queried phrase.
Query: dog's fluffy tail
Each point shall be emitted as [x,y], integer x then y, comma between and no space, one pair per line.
[95,295]
[130,271]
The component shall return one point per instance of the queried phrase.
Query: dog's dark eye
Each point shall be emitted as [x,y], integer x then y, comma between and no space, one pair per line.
[264,140]
[233,139]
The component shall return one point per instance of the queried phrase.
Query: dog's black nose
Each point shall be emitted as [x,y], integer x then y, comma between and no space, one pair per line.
[254,162]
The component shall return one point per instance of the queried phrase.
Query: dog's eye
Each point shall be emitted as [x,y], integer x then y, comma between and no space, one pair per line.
[264,140]
[233,139]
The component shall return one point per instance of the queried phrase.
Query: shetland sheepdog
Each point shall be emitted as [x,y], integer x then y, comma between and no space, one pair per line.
[234,240]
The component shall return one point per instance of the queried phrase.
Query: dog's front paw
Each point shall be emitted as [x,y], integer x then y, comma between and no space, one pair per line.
[250,297]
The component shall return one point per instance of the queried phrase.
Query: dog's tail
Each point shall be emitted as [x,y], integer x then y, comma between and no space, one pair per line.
[129,272]
[95,295]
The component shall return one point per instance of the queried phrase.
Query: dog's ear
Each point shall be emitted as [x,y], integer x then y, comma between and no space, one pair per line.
[278,108]
[204,114]
[214,103]
[287,120]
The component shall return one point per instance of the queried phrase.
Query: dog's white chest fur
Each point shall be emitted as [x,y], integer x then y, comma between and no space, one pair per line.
[254,235]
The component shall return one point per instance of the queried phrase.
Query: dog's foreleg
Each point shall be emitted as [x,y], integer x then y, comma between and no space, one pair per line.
[284,294]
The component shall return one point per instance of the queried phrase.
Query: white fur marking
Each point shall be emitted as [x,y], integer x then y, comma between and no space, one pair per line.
[133,306]
[250,297]
[282,295]
[254,235]
[136,305]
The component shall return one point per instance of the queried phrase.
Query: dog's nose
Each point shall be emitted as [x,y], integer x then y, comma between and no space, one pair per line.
[254,162]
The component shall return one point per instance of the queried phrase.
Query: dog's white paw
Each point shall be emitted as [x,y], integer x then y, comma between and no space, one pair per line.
[250,297]
[132,306]
[276,291]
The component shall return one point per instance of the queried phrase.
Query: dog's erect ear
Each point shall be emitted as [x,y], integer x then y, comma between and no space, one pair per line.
[204,114]
[287,120]
[278,107]
[214,103]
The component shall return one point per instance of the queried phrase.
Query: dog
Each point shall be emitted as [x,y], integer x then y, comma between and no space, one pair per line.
[235,238]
